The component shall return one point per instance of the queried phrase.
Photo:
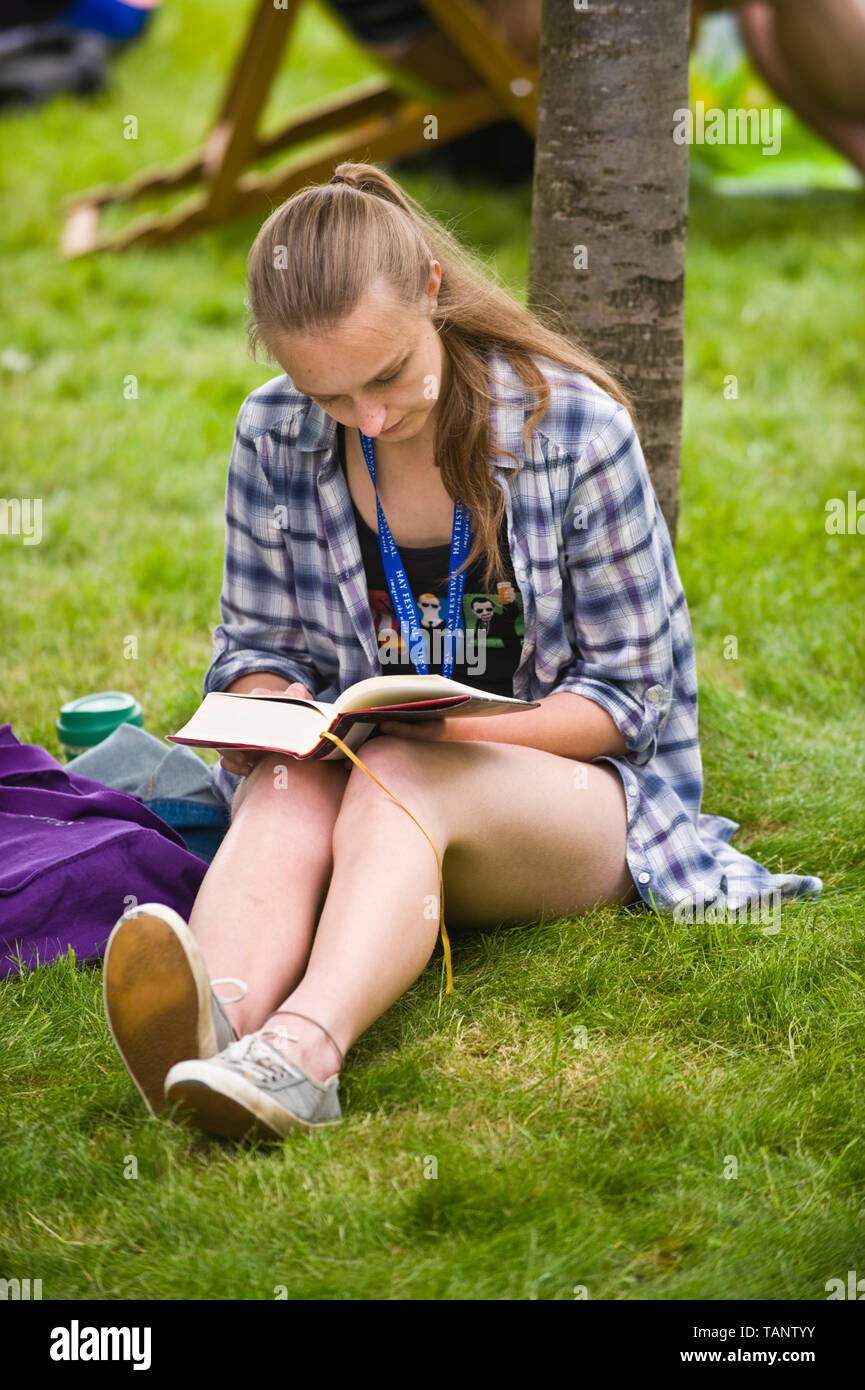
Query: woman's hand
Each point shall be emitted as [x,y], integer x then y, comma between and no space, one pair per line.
[241,761]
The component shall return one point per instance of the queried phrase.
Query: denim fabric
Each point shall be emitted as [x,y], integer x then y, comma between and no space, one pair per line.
[132,760]
[172,781]
[202,827]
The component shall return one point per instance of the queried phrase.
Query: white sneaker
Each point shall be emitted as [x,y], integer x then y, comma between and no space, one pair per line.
[159,1002]
[250,1090]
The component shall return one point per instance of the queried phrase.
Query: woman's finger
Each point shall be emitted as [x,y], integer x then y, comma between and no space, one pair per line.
[240,761]
[295,688]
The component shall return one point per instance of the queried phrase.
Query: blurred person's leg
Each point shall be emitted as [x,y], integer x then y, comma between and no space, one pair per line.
[822,43]
[758,24]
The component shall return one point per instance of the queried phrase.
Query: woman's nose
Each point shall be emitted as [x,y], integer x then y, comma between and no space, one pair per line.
[371,418]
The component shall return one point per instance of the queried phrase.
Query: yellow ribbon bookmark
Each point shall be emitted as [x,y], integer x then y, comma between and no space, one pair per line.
[445,942]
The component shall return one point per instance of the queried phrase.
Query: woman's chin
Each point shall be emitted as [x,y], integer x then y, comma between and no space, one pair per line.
[413,424]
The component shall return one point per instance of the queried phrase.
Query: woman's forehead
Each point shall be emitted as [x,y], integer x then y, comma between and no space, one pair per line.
[350,356]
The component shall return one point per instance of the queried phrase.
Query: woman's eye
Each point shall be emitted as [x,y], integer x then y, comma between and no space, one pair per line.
[381,381]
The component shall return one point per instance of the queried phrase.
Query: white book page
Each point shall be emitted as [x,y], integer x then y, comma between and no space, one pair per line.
[225,720]
[398,690]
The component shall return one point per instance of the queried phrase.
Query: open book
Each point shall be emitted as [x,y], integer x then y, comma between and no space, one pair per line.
[286,724]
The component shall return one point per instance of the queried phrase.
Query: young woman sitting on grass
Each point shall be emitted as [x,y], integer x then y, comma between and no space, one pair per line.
[322,904]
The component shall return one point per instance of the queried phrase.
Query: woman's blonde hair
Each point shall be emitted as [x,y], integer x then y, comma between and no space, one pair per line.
[318,253]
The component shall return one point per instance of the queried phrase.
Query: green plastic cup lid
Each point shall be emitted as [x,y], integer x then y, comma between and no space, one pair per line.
[93,717]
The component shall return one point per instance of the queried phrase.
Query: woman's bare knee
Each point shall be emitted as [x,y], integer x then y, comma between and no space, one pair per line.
[412,771]
[285,785]
[397,762]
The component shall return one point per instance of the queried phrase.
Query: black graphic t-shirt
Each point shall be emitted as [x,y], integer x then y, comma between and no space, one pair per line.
[487,650]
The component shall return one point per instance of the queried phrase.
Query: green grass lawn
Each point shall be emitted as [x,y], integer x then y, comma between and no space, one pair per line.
[557,1164]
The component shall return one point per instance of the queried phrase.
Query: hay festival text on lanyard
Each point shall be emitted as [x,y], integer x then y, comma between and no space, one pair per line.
[403,603]
[398,584]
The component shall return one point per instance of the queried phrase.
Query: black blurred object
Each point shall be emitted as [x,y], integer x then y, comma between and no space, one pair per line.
[502,153]
[14,13]
[39,60]
[382,21]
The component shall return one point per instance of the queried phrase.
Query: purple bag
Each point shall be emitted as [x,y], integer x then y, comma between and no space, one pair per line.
[74,855]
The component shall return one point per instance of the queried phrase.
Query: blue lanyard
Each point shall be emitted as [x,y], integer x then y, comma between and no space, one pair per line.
[398,584]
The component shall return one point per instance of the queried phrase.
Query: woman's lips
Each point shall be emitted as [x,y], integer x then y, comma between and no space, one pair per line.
[393,427]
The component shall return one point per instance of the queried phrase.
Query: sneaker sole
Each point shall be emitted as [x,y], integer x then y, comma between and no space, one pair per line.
[157,998]
[237,1109]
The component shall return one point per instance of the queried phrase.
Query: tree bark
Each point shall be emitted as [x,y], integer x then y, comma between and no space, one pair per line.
[610,178]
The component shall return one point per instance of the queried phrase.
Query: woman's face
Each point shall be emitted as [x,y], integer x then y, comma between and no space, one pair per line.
[380,371]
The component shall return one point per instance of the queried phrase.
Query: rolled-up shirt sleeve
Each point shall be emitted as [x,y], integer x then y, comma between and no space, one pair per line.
[614,553]
[260,628]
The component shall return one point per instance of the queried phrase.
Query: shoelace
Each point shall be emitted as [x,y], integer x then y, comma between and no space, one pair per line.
[231,980]
[235,999]
[446,945]
[258,1059]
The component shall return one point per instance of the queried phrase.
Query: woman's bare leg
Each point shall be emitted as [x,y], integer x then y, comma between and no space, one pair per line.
[521,833]
[259,901]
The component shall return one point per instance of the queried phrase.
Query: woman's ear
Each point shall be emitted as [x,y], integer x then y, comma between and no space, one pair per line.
[434,282]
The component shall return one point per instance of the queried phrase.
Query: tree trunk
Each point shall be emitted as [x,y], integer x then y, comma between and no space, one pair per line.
[610,178]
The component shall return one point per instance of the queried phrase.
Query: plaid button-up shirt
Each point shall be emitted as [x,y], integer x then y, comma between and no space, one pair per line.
[604,609]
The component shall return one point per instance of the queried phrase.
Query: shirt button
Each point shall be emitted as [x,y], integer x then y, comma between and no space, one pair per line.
[655,694]
[644,877]
[519,571]
[632,789]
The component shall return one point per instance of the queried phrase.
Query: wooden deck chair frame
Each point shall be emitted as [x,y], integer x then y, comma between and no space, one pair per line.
[372,121]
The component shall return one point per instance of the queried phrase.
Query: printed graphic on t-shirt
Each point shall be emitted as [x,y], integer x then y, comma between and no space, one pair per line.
[488,642]
[492,625]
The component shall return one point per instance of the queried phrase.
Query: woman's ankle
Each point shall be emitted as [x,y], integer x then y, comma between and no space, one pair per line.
[306,1043]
